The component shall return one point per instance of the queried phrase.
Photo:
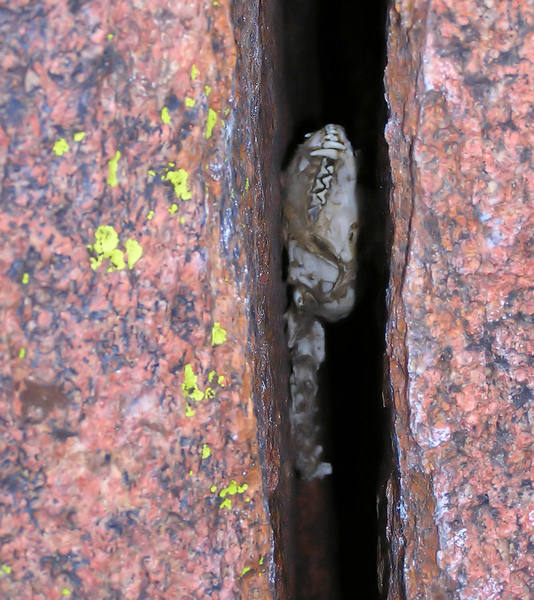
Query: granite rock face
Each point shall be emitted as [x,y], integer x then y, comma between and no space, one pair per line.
[460,506]
[140,434]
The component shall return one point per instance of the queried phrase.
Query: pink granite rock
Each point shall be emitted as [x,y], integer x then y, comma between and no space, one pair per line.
[460,334]
[139,421]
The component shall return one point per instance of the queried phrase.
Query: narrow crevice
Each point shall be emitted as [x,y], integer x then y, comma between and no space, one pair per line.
[334,63]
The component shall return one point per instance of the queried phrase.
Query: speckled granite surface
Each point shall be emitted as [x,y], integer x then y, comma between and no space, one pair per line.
[131,466]
[460,336]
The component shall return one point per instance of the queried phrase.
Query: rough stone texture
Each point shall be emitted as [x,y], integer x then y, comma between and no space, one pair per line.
[139,432]
[461,504]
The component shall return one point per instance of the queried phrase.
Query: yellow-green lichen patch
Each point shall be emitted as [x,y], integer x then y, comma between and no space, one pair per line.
[65,592]
[22,352]
[116,260]
[218,334]
[231,490]
[189,412]
[78,136]
[226,503]
[151,172]
[207,89]
[113,165]
[210,392]
[165,115]
[60,147]
[134,251]
[179,181]
[244,571]
[110,36]
[106,240]
[105,246]
[194,72]
[210,123]
[189,386]
[192,391]
[189,102]
[149,215]
[213,489]
[173,208]
[205,452]
[5,569]
[25,278]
